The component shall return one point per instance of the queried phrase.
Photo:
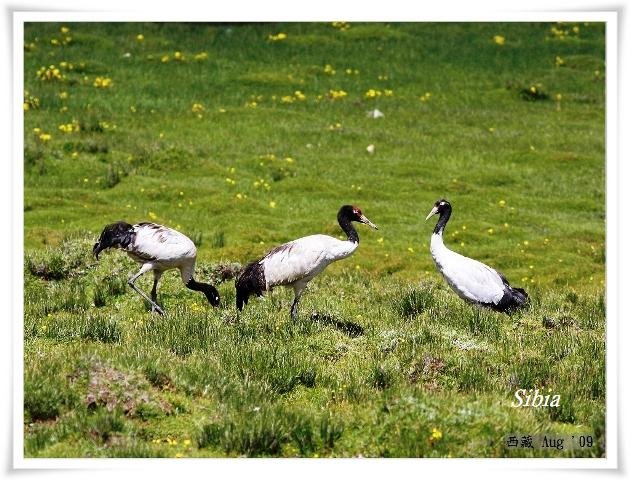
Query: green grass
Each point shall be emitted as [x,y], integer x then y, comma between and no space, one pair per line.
[384,359]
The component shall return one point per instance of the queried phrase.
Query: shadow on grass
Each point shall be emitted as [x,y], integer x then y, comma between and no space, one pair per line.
[349,328]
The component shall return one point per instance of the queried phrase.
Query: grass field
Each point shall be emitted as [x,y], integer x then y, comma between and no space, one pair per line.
[244,136]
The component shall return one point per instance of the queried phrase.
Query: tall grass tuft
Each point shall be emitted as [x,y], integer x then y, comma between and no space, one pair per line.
[109,286]
[414,301]
[86,325]
[72,257]
[218,240]
[271,430]
[47,391]
[260,432]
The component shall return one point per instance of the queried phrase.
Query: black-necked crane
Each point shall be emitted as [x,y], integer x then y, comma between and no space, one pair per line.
[296,263]
[472,280]
[157,248]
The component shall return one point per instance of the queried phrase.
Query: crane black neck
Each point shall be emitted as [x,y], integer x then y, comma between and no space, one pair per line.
[444,216]
[346,225]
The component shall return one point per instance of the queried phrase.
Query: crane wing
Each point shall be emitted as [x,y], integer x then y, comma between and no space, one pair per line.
[471,279]
[303,258]
[155,241]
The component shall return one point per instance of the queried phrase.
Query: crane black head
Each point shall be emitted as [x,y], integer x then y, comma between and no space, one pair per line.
[443,207]
[208,290]
[116,235]
[353,214]
[440,207]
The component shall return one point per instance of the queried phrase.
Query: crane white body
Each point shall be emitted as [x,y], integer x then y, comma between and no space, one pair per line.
[299,261]
[162,248]
[295,263]
[156,248]
[470,279]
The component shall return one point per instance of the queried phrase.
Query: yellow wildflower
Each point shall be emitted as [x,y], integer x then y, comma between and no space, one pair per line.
[30,101]
[152,216]
[436,434]
[70,127]
[337,94]
[102,82]
[272,204]
[341,26]
[49,73]
[498,39]
[140,38]
[277,38]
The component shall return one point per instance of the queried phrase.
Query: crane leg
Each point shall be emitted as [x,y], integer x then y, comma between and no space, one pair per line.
[298,289]
[131,282]
[294,308]
[156,278]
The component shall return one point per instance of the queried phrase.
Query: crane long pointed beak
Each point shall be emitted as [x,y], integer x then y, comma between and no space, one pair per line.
[431,213]
[365,220]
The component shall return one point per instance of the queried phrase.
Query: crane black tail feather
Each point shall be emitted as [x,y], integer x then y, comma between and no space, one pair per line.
[513,299]
[520,297]
[250,282]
